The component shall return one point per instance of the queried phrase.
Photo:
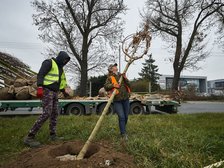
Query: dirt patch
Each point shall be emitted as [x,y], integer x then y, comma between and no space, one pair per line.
[100,154]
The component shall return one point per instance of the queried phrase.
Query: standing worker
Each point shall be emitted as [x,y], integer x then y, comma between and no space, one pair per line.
[50,80]
[121,99]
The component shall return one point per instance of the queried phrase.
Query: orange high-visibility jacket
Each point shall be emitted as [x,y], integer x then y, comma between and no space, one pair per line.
[114,81]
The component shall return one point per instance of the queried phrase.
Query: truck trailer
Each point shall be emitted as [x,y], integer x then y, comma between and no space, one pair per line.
[87,107]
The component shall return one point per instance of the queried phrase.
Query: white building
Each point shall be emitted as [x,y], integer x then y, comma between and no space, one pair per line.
[216,87]
[199,82]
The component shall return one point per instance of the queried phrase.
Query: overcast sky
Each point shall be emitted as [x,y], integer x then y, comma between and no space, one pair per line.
[19,37]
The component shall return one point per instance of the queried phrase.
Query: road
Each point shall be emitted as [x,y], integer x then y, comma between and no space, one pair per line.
[201,107]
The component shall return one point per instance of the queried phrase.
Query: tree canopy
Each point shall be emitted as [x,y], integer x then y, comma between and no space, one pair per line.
[149,72]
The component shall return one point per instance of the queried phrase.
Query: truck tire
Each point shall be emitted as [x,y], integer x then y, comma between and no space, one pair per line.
[101,108]
[136,108]
[75,109]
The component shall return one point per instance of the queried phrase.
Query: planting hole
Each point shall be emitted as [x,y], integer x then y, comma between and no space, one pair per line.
[66,152]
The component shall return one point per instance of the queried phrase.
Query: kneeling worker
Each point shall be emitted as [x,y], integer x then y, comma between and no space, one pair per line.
[121,99]
[50,80]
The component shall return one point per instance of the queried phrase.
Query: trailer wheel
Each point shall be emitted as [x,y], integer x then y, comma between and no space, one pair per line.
[171,109]
[101,108]
[136,108]
[75,109]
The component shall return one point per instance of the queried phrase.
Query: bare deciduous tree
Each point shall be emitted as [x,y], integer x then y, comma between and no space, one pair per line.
[220,18]
[87,29]
[183,24]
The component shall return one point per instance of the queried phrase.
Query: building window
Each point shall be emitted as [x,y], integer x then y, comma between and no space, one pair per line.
[219,85]
[184,83]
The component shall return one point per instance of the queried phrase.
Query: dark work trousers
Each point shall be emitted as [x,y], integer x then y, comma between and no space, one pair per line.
[122,109]
[50,110]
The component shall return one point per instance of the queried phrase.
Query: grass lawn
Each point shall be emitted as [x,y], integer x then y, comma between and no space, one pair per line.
[161,141]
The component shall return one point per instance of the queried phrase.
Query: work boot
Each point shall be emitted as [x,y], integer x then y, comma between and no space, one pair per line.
[124,137]
[31,142]
[55,138]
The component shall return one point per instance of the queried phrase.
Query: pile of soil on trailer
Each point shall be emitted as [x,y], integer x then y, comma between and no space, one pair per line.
[100,154]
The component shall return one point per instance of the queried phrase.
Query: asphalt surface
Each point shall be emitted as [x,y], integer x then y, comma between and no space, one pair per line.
[201,107]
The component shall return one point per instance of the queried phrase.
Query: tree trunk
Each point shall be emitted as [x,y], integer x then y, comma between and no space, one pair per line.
[176,79]
[176,64]
[84,67]
[83,83]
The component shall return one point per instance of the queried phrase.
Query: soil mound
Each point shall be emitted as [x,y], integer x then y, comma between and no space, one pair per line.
[99,155]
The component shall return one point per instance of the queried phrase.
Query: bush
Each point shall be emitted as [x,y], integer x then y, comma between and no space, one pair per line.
[139,86]
[203,98]
[97,83]
[191,95]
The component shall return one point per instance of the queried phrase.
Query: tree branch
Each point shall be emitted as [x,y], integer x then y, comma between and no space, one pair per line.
[166,30]
[74,17]
[70,43]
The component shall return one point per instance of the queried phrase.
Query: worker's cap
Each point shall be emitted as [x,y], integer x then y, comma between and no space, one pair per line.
[111,66]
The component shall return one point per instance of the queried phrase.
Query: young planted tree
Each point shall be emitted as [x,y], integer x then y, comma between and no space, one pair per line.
[87,29]
[183,24]
[134,46]
[150,73]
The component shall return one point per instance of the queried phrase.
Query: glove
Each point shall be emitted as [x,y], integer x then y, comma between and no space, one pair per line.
[124,75]
[40,91]
[117,86]
[66,94]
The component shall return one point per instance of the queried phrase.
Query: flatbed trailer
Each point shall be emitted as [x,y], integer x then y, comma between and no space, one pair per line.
[87,107]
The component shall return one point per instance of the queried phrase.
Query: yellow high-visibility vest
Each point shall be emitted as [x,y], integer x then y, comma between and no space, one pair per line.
[53,76]
[63,83]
